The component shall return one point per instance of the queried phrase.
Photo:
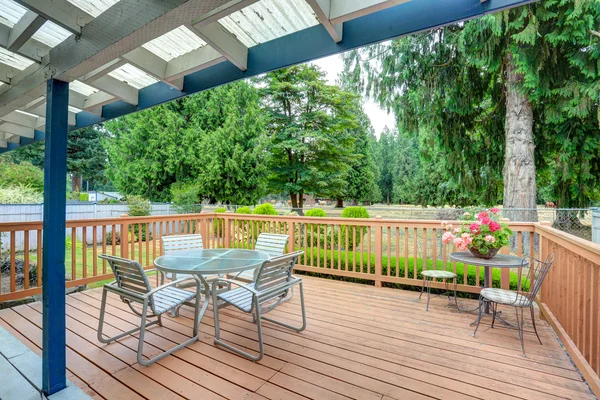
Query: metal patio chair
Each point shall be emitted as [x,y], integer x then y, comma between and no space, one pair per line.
[272,244]
[176,243]
[431,274]
[132,285]
[520,298]
[270,288]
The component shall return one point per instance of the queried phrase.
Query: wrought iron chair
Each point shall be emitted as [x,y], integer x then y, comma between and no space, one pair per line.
[270,288]
[132,285]
[175,243]
[521,298]
[431,274]
[271,243]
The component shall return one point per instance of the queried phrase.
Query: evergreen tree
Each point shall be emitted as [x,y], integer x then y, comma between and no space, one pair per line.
[490,93]
[308,125]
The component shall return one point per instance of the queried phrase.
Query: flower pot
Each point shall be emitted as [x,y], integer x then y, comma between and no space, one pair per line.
[491,253]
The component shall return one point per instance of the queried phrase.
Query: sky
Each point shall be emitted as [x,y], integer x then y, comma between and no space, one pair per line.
[333,65]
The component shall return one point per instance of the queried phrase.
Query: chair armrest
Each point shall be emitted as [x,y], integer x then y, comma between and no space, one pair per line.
[193,277]
[234,282]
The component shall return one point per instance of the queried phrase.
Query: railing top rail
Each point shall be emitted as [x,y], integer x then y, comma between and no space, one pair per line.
[581,247]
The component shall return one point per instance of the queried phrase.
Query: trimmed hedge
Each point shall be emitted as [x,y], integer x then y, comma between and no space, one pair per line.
[265,209]
[219,223]
[325,259]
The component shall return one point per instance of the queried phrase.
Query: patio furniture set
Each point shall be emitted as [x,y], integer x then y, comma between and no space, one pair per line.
[490,297]
[253,281]
[257,281]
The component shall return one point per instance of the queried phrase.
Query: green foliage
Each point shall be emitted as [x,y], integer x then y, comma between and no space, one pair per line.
[186,198]
[244,210]
[308,125]
[353,234]
[84,197]
[69,243]
[20,194]
[214,140]
[265,209]
[453,101]
[109,238]
[315,212]
[355,212]
[23,174]
[138,206]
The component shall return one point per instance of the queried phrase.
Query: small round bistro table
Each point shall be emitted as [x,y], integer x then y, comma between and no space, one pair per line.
[498,261]
[206,262]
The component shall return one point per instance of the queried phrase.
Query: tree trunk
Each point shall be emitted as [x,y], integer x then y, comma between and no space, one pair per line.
[76,183]
[294,200]
[301,199]
[340,202]
[519,165]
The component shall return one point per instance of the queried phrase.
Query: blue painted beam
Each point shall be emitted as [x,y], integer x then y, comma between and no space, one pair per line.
[54,366]
[310,44]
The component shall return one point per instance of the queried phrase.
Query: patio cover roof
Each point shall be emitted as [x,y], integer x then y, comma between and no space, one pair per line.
[121,56]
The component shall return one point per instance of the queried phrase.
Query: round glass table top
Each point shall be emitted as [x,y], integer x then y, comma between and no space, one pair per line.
[211,261]
[499,260]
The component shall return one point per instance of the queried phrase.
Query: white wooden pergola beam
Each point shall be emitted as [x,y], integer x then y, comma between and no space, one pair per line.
[222,41]
[40,111]
[24,29]
[15,129]
[220,12]
[31,49]
[3,144]
[103,70]
[7,73]
[116,88]
[153,65]
[15,117]
[345,10]
[322,9]
[61,12]
[193,61]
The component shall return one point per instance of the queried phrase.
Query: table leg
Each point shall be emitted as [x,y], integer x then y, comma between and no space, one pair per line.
[487,283]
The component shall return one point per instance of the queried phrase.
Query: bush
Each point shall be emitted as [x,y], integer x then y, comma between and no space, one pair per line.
[352,212]
[69,243]
[138,206]
[318,231]
[84,197]
[20,194]
[185,198]
[315,212]
[22,174]
[244,210]
[109,238]
[265,209]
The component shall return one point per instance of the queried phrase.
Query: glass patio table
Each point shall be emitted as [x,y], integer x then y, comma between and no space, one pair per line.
[206,262]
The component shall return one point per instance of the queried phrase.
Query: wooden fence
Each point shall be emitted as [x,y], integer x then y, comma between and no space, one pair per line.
[377,251]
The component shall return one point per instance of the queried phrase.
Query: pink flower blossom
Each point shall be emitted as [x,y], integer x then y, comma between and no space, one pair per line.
[477,216]
[474,229]
[456,230]
[466,214]
[482,215]
[467,237]
[448,237]
[490,239]
[494,226]
[485,220]
[461,244]
[449,226]
[494,210]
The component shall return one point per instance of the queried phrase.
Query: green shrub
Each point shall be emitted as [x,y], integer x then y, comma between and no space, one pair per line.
[318,231]
[324,260]
[353,242]
[265,209]
[75,195]
[109,238]
[315,212]
[22,174]
[138,206]
[219,223]
[69,243]
[20,194]
[244,210]
[84,197]
[185,198]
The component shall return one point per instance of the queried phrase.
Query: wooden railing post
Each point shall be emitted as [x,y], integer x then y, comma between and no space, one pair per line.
[226,231]
[378,252]
[124,238]
[543,243]
[292,234]
[504,272]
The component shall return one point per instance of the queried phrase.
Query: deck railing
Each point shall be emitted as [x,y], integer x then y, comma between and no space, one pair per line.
[378,251]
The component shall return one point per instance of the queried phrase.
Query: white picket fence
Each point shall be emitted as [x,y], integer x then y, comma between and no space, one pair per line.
[35,212]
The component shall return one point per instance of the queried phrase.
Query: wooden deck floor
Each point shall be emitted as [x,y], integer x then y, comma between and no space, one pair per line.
[361,343]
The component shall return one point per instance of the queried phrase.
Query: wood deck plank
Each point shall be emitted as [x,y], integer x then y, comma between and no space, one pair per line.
[361,343]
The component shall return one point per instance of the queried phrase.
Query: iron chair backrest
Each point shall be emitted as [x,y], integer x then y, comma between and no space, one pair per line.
[130,278]
[275,273]
[272,243]
[537,272]
[175,243]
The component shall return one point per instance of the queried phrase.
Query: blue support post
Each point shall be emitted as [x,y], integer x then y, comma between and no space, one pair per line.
[54,366]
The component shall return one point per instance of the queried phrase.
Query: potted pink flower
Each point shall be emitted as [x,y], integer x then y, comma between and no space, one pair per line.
[482,234]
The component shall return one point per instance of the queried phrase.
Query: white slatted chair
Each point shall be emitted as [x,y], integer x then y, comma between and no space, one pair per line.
[132,286]
[272,244]
[273,282]
[176,243]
